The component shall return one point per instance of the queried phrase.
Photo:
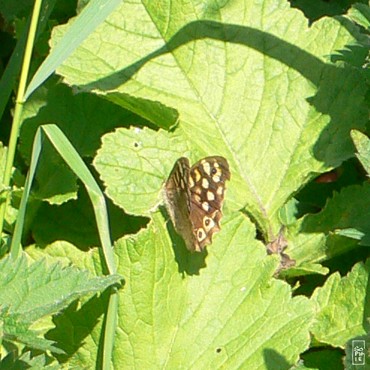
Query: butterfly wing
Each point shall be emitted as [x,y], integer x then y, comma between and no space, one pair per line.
[207,188]
[194,198]
[177,197]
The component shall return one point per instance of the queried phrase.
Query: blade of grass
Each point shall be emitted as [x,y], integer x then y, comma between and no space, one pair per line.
[94,13]
[19,108]
[15,247]
[77,165]
[13,67]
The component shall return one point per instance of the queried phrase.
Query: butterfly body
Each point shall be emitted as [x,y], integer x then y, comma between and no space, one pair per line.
[194,198]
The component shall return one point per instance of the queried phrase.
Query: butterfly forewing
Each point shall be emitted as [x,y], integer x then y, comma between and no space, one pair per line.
[194,198]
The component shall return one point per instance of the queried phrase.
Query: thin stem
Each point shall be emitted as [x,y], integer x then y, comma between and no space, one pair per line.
[19,109]
[110,329]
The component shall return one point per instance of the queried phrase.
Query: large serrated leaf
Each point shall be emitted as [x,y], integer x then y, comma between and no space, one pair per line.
[223,310]
[30,292]
[255,86]
[342,307]
[38,289]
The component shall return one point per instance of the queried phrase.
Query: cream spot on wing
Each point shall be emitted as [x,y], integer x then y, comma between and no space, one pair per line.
[220,190]
[205,206]
[191,182]
[198,190]
[207,168]
[201,235]
[216,178]
[197,199]
[176,177]
[208,223]
[197,175]
[210,195]
[181,172]
[205,184]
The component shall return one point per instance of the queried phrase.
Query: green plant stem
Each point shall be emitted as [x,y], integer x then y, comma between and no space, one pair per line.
[19,109]
[110,329]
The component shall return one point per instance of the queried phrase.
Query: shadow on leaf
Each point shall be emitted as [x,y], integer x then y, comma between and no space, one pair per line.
[274,360]
[188,263]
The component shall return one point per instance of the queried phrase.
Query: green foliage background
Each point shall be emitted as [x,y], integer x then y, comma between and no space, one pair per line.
[279,89]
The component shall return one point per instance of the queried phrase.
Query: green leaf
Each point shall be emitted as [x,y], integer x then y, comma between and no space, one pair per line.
[131,168]
[311,237]
[26,361]
[78,332]
[305,269]
[244,85]
[350,233]
[206,311]
[314,10]
[288,213]
[65,254]
[341,313]
[76,115]
[17,329]
[30,292]
[47,289]
[52,223]
[54,181]
[360,13]
[362,144]
[323,359]
[78,329]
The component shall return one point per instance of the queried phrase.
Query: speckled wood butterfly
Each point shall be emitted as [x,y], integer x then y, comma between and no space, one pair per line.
[194,198]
